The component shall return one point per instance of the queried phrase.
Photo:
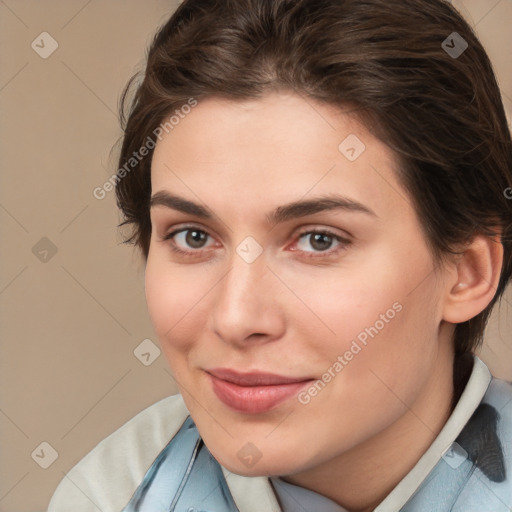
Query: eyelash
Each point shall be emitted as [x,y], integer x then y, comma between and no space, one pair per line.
[313,254]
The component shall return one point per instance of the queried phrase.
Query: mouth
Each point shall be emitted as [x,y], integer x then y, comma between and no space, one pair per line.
[254,392]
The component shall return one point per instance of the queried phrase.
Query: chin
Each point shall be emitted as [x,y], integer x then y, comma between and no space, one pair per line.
[249,462]
[260,468]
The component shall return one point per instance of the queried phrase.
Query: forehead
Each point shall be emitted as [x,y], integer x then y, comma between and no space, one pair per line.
[274,150]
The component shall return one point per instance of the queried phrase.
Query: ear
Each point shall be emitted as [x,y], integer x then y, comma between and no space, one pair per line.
[475,279]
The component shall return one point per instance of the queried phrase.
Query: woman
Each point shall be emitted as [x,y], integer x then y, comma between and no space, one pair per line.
[319,189]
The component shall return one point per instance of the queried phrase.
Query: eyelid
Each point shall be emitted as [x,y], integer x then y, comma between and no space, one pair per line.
[320,229]
[345,241]
[185,227]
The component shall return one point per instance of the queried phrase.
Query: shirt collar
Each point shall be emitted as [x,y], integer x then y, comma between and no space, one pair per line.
[298,499]
[471,397]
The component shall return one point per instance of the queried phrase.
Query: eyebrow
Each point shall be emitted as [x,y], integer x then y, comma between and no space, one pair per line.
[283,213]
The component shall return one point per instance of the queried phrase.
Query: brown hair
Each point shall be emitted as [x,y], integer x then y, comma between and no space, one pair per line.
[441,113]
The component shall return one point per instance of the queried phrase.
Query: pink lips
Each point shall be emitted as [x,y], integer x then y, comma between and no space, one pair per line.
[254,392]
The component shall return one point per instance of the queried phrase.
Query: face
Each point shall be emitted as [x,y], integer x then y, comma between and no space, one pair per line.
[337,297]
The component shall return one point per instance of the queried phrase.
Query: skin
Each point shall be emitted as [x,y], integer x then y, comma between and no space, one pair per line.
[292,315]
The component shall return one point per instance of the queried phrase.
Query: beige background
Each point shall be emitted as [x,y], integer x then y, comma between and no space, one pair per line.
[70,324]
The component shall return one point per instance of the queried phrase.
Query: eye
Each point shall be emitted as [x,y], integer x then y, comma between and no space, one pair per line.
[191,241]
[321,242]
[187,238]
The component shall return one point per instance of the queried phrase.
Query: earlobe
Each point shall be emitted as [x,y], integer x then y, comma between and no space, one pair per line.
[477,276]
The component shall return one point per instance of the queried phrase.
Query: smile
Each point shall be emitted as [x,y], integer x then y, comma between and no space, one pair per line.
[254,392]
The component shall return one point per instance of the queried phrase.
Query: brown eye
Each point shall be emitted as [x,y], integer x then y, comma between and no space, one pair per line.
[321,242]
[187,240]
[195,238]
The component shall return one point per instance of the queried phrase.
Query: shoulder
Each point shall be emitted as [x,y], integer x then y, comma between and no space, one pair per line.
[499,394]
[487,441]
[107,476]
[498,401]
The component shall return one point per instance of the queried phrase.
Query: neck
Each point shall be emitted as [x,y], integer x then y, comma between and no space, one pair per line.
[362,477]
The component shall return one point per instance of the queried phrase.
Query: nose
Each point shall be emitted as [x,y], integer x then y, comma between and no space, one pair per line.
[247,303]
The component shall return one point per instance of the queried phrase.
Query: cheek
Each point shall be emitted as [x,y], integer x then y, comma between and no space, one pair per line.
[160,300]
[346,306]
[401,347]
[384,319]
[175,299]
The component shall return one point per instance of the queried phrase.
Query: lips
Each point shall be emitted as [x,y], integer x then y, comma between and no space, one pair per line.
[254,392]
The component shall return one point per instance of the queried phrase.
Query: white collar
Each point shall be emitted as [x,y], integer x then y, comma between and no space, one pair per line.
[470,399]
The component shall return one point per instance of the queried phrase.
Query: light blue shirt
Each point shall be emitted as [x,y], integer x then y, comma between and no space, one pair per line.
[297,499]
